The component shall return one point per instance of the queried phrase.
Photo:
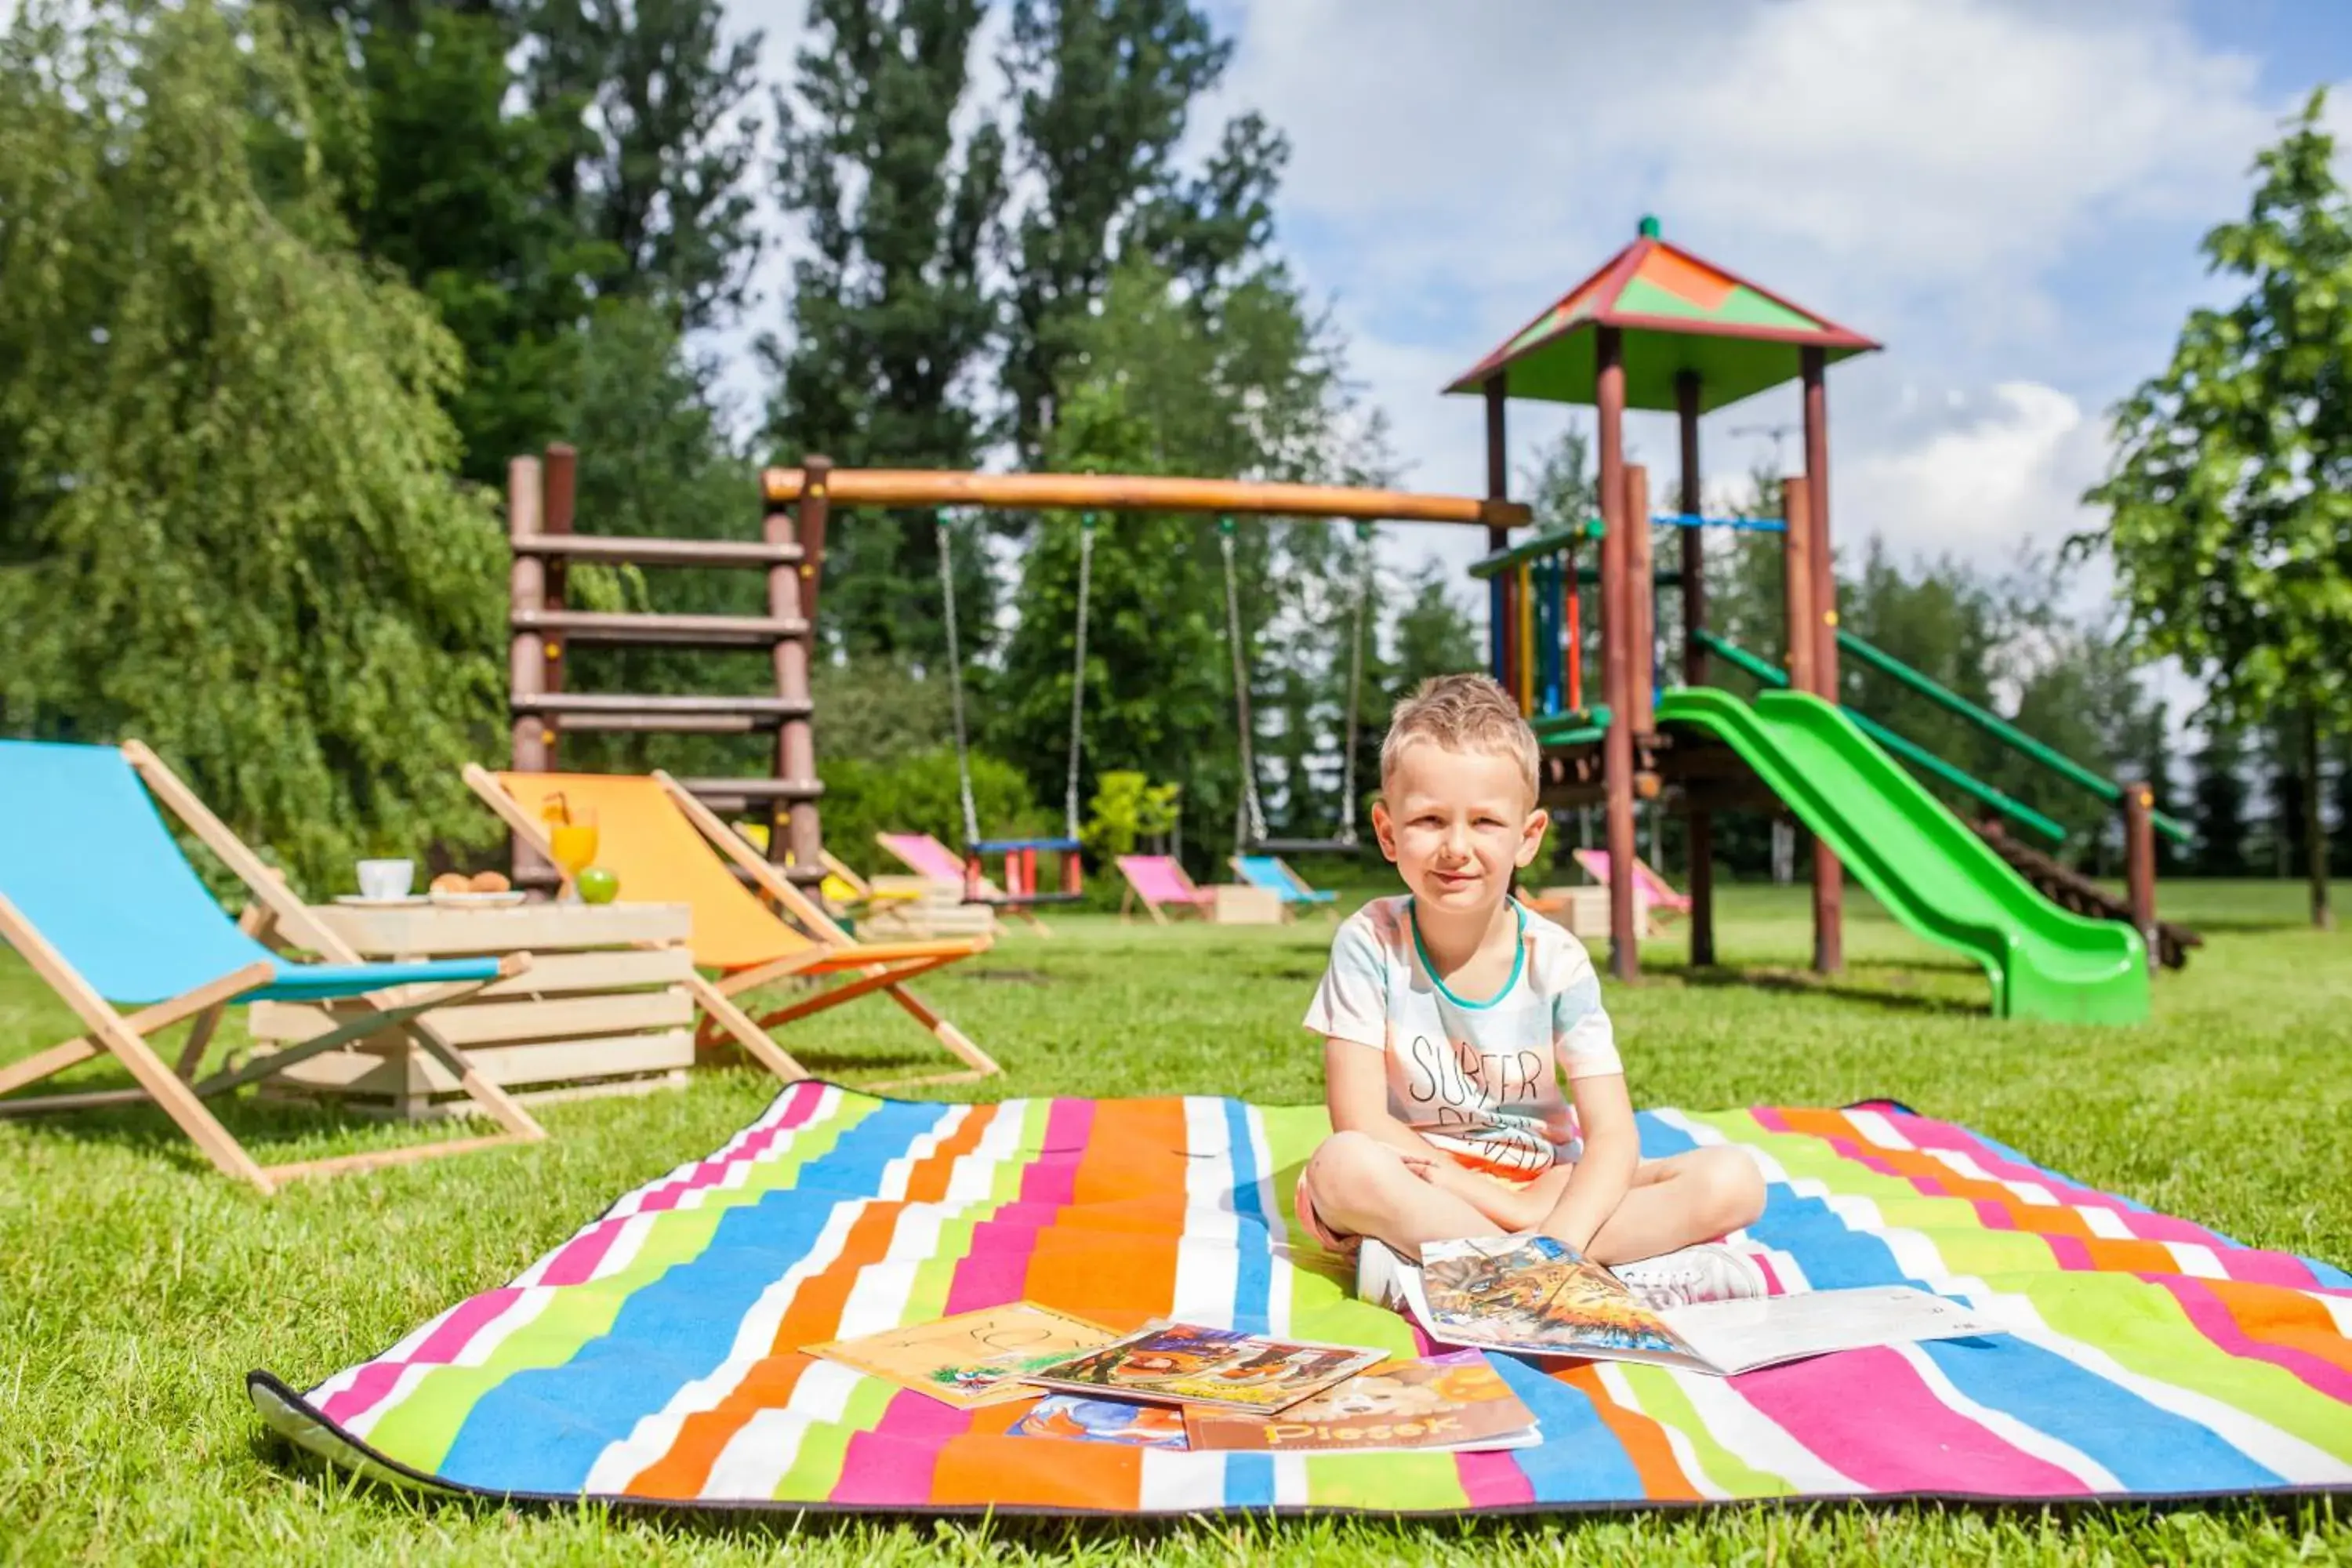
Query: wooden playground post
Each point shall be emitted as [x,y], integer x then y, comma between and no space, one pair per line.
[794,835]
[1616,652]
[559,483]
[1797,579]
[1701,825]
[1642,595]
[533,734]
[527,594]
[2140,863]
[1829,877]
[1498,486]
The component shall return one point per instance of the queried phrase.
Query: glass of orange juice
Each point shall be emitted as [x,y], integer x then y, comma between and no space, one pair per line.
[573,843]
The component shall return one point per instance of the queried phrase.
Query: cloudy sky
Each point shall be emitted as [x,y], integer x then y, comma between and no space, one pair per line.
[2006,193]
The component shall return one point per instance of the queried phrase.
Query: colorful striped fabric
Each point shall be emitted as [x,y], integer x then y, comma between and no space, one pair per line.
[653,1356]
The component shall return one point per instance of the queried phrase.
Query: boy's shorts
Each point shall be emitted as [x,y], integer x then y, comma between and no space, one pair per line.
[1344,1245]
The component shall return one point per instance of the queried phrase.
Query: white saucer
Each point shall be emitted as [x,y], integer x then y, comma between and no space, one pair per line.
[362,902]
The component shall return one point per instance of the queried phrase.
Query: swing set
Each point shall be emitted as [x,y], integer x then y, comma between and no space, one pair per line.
[1020,887]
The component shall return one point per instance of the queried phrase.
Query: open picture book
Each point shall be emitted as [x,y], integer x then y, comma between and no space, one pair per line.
[1535,1296]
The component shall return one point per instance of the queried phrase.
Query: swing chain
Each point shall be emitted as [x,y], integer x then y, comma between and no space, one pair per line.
[1251,826]
[955,679]
[1078,673]
[1347,833]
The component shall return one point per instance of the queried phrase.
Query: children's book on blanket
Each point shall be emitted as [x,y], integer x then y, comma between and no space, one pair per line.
[1532,1295]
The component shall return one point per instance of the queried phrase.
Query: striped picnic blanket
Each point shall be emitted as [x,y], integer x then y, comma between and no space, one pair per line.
[655,1354]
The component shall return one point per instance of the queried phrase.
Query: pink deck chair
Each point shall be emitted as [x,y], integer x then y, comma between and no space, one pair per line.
[929,859]
[1160,884]
[1654,890]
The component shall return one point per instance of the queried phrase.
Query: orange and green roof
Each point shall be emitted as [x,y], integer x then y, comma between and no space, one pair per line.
[1675,312]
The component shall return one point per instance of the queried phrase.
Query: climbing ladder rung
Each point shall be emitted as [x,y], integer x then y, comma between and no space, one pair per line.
[739,795]
[657,552]
[668,631]
[573,711]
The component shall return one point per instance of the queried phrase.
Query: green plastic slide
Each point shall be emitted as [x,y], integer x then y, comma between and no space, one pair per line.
[1922,862]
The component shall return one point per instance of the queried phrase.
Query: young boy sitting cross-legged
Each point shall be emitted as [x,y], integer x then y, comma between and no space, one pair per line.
[1449,1018]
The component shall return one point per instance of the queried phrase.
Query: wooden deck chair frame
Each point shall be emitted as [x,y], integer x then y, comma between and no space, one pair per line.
[1298,884]
[1134,895]
[176,1089]
[888,970]
[1652,915]
[993,896]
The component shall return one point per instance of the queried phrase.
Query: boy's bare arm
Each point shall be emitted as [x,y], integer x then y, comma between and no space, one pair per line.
[1356,1092]
[1613,1149]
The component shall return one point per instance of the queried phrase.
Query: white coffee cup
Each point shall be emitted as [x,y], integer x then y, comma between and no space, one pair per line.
[386,879]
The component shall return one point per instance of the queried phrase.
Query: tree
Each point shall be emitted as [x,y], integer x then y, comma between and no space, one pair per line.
[1106,89]
[439,179]
[652,98]
[2230,499]
[891,317]
[2218,802]
[232,530]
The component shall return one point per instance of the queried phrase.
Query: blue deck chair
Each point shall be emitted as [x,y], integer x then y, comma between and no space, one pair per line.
[1274,874]
[97,897]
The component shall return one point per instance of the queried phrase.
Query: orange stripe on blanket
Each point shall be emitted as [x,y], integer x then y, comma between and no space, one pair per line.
[815,1315]
[1644,1440]
[1038,1472]
[1111,1255]
[2275,1315]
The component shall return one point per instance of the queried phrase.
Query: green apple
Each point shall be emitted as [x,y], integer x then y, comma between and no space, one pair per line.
[598,885]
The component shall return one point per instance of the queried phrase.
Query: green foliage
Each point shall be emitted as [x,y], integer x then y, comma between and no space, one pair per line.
[1128,810]
[916,793]
[439,180]
[1106,89]
[230,527]
[1563,489]
[651,104]
[877,711]
[889,316]
[2229,501]
[2219,794]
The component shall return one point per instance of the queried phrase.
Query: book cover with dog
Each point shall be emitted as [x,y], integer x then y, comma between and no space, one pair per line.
[1439,1404]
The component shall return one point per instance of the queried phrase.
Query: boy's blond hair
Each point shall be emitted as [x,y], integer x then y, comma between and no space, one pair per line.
[1462,713]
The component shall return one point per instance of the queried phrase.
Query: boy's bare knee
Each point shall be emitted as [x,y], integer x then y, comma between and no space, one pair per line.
[1731,1189]
[1348,1161]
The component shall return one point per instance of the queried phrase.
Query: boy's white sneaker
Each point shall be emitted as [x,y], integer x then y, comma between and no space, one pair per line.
[1709,1272]
[1377,1268]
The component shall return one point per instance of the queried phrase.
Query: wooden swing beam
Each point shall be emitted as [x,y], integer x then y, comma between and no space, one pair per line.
[1117,492]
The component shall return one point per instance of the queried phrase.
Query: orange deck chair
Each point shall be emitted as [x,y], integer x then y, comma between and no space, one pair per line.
[667,847]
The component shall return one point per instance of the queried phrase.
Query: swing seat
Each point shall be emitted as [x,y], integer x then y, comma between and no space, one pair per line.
[1303,847]
[1001,846]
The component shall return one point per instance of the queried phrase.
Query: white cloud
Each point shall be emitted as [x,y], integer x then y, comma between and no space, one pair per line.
[2013,470]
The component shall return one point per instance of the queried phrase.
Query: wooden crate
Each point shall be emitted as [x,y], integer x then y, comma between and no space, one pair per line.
[921,909]
[1234,904]
[601,1010]
[1584,912]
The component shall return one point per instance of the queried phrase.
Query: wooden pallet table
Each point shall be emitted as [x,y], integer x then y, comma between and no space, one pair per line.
[1237,904]
[601,1010]
[1584,912]
[918,909]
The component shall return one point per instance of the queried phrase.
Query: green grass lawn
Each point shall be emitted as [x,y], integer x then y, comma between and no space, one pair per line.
[137,1287]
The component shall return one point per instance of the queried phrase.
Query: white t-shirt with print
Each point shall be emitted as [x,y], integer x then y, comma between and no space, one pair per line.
[1479,1079]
